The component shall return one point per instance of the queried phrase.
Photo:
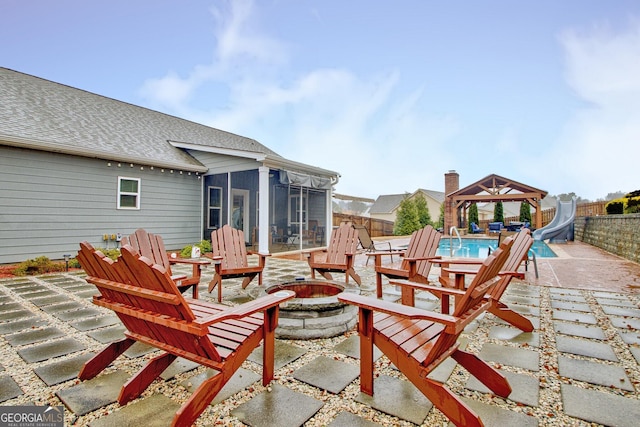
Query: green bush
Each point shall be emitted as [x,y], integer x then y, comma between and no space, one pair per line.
[39,265]
[615,207]
[204,245]
[473,217]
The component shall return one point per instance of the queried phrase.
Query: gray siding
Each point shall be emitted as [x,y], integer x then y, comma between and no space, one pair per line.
[50,202]
[219,163]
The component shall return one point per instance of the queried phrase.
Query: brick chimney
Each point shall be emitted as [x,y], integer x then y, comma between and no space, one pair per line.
[451,184]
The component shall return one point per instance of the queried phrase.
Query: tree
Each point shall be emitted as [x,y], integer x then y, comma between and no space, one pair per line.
[473,216]
[525,212]
[423,210]
[407,219]
[440,224]
[498,213]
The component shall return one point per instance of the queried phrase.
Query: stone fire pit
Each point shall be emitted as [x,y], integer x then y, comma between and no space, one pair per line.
[315,312]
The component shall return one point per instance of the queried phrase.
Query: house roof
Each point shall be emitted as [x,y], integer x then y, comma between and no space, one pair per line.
[388,203]
[40,114]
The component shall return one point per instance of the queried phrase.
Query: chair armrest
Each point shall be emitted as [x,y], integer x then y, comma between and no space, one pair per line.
[389,252]
[192,261]
[427,258]
[374,304]
[216,259]
[462,261]
[261,304]
[428,288]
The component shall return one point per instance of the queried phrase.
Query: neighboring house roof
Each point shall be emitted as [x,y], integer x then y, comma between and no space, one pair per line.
[40,114]
[388,203]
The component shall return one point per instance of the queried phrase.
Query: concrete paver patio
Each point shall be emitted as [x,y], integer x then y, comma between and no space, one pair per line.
[579,366]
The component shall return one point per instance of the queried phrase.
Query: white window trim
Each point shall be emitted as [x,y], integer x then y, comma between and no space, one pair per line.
[210,207]
[125,193]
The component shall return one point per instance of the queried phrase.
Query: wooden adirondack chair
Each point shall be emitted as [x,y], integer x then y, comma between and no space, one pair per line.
[154,312]
[461,267]
[416,341]
[230,258]
[152,246]
[338,256]
[416,260]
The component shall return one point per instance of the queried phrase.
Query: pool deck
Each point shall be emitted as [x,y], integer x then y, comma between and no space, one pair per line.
[579,367]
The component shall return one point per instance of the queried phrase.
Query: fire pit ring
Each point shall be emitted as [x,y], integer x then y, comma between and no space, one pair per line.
[315,312]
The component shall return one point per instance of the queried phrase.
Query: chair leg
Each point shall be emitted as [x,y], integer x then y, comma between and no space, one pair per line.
[351,272]
[198,402]
[216,281]
[100,361]
[500,310]
[141,380]
[379,285]
[486,374]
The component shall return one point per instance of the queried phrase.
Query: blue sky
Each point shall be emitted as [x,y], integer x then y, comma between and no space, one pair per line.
[391,95]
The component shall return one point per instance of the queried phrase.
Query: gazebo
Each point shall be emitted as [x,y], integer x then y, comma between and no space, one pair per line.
[493,188]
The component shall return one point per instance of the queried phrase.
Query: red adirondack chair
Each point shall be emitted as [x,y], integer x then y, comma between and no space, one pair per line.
[229,254]
[338,256]
[416,261]
[153,310]
[416,341]
[461,267]
[152,246]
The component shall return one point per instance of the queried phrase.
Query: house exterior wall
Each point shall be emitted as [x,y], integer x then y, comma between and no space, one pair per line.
[385,217]
[50,202]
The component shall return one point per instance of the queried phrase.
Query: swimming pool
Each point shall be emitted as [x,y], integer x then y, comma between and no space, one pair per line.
[479,248]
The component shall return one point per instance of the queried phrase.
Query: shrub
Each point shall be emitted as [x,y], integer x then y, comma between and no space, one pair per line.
[204,245]
[39,265]
[615,207]
[473,216]
[498,213]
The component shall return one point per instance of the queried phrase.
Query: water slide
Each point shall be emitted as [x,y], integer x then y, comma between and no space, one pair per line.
[560,229]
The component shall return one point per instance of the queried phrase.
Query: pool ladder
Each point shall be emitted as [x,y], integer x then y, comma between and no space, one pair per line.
[451,231]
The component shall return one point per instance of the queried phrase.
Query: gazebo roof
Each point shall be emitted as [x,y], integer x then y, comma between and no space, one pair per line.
[493,188]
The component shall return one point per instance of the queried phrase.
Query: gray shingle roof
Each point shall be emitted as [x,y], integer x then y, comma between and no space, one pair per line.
[61,118]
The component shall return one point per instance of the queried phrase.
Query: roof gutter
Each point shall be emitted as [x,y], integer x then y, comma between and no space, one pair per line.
[268,160]
[94,154]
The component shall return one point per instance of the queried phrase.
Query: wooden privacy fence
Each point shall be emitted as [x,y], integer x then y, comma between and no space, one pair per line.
[376,227]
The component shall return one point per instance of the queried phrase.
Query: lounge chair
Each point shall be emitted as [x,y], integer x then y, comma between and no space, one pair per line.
[154,312]
[152,246]
[338,256]
[368,245]
[417,341]
[415,261]
[495,227]
[475,229]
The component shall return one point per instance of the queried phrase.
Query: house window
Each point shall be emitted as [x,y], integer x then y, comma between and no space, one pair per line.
[128,193]
[215,207]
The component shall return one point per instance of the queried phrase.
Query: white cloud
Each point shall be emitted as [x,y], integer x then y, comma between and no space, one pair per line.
[360,126]
[601,143]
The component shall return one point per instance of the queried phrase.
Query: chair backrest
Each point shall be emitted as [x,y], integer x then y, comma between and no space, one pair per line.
[521,245]
[146,300]
[423,243]
[148,245]
[344,240]
[486,277]
[363,235]
[228,243]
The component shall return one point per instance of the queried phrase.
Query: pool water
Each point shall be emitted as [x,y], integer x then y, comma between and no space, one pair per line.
[479,248]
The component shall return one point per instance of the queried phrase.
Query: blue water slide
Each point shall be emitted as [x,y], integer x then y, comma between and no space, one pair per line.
[560,229]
